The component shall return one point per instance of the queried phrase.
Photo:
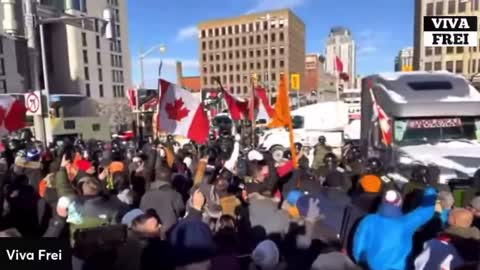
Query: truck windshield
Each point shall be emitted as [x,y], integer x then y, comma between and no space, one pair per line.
[298,122]
[436,130]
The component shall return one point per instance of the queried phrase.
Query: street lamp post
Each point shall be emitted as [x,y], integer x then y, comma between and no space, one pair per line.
[267,18]
[161,48]
[142,56]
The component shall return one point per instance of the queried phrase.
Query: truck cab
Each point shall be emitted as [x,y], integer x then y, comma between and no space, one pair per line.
[434,118]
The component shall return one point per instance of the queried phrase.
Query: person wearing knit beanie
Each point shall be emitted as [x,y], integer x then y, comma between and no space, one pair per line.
[266,255]
[384,240]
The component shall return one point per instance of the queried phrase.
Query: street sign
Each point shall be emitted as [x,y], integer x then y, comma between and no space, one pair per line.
[295,81]
[32,103]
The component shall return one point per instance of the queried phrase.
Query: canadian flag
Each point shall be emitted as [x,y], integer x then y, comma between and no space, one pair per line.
[237,107]
[262,107]
[132,98]
[338,64]
[12,115]
[181,113]
[383,120]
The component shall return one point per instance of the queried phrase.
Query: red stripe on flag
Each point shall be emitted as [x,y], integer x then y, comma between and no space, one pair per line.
[199,130]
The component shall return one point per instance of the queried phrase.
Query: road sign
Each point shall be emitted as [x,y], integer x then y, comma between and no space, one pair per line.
[32,102]
[295,81]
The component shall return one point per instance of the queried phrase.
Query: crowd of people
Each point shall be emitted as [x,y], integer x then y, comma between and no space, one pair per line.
[225,206]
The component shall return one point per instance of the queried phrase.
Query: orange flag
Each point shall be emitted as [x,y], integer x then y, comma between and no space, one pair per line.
[282,117]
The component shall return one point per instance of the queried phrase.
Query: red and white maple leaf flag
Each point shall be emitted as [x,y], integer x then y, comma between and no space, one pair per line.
[383,120]
[181,113]
[12,115]
[132,98]
[263,109]
[237,107]
[338,64]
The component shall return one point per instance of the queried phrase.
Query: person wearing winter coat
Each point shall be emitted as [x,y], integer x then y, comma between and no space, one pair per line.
[164,199]
[384,240]
[31,166]
[453,247]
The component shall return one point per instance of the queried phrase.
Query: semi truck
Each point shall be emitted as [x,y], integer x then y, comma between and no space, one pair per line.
[434,119]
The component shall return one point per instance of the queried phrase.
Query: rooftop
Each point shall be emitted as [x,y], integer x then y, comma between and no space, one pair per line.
[247,17]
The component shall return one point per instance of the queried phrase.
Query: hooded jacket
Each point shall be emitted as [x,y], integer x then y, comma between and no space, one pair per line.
[32,169]
[384,240]
[166,201]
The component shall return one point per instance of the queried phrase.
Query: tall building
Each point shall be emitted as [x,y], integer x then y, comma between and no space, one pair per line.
[461,60]
[340,44]
[312,72]
[234,49]
[79,59]
[404,60]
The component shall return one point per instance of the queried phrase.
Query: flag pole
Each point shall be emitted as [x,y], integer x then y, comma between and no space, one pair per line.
[252,111]
[159,87]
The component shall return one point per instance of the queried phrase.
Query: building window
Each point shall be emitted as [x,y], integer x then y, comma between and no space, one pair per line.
[259,53]
[476,4]
[474,65]
[203,34]
[428,51]
[230,79]
[97,41]
[217,57]
[238,78]
[265,25]
[282,50]
[96,127]
[459,49]
[87,90]
[216,32]
[87,75]
[114,91]
[251,53]
[244,54]
[449,66]
[251,40]
[114,75]
[99,59]
[205,70]
[273,37]
[204,57]
[437,66]
[265,37]
[244,66]
[439,8]
[282,63]
[100,90]
[252,66]
[244,41]
[100,74]
[451,6]
[210,45]
[230,43]
[259,66]
[281,36]
[85,56]
[273,50]
[3,86]
[245,89]
[84,39]
[218,67]
[229,30]
[204,45]
[259,77]
[259,39]
[236,29]
[273,63]
[1,45]
[112,60]
[69,124]
[2,66]
[450,50]
[237,41]
[205,82]
[223,31]
[230,55]
[237,67]
[237,54]
[462,6]
[117,30]
[429,9]
[217,44]
[244,28]
[211,57]
[281,23]
[438,50]
[458,66]
[224,43]
[428,66]
[265,63]
[224,67]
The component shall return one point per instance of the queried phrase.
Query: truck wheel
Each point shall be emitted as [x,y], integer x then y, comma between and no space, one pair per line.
[277,152]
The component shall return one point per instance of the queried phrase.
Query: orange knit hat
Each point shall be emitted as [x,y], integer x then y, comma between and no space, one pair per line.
[371,183]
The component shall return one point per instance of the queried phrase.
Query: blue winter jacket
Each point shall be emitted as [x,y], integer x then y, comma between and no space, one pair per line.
[383,240]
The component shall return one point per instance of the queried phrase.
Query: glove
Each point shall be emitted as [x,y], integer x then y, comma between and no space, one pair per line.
[313,213]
